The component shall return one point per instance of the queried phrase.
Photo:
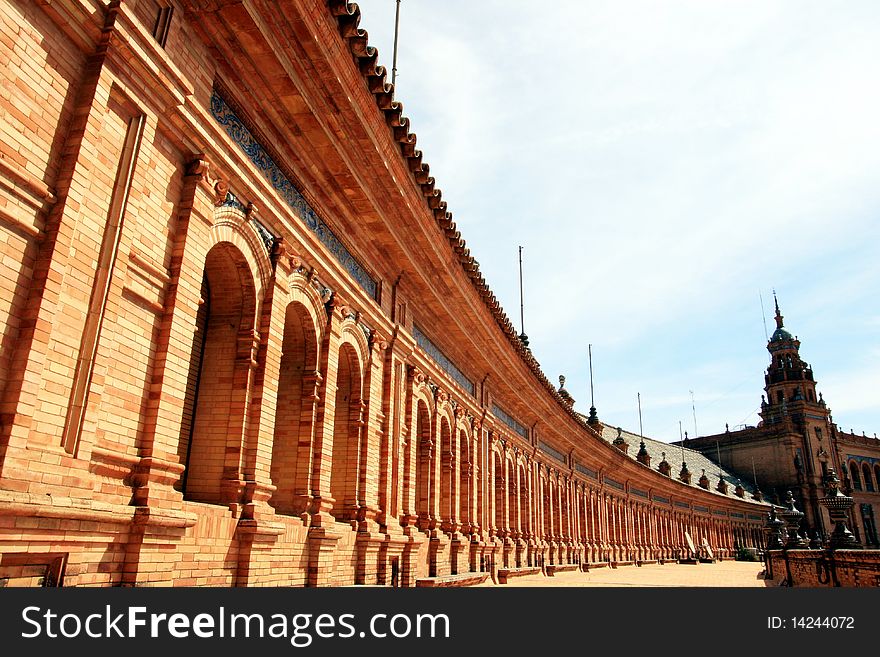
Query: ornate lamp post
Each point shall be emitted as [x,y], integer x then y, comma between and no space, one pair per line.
[838,506]
[792,517]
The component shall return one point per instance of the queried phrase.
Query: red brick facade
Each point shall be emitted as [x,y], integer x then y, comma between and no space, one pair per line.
[199,386]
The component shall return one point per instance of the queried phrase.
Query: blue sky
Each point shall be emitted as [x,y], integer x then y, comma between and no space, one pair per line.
[662,164]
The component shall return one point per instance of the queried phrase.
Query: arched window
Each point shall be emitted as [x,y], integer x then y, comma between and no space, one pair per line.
[216,397]
[424,458]
[347,422]
[294,414]
[854,476]
[464,484]
[869,480]
[447,476]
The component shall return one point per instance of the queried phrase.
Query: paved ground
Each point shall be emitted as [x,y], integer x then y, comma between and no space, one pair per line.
[724,573]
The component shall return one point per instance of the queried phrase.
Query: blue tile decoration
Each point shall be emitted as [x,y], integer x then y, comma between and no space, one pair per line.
[683,505]
[661,499]
[510,421]
[639,493]
[862,459]
[701,509]
[614,484]
[547,449]
[753,516]
[440,358]
[239,133]
[734,514]
[587,471]
[231,201]
[265,235]
[716,512]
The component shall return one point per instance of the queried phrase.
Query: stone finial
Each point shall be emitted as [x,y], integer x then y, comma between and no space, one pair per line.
[566,396]
[684,474]
[664,466]
[619,442]
[643,456]
[704,480]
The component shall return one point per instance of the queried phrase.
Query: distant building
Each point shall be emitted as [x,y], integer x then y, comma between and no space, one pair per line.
[797,442]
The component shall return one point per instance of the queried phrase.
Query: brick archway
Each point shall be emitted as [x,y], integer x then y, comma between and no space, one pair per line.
[223,348]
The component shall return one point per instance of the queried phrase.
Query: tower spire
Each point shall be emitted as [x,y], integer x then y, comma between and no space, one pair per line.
[778,314]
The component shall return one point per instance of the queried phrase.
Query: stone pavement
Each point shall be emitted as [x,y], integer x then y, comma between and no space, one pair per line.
[724,573]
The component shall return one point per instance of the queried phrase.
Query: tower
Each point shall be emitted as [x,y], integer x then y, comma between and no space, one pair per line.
[793,409]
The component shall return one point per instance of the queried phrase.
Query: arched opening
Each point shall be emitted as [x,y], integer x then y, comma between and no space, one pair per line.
[294,412]
[447,476]
[500,519]
[464,483]
[524,517]
[548,518]
[877,474]
[512,497]
[347,423]
[424,457]
[854,476]
[869,480]
[216,396]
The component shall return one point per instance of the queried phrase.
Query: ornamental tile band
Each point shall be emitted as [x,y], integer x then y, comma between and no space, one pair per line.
[239,133]
[587,471]
[614,484]
[440,358]
[547,449]
[508,419]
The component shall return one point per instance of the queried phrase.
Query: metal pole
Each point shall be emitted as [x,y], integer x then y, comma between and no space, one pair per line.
[521,305]
[639,396]
[394,57]
[592,399]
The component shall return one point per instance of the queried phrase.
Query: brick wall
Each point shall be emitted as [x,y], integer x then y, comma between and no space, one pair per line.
[814,568]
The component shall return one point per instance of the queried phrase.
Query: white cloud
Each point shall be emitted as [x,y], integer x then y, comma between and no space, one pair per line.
[660,163]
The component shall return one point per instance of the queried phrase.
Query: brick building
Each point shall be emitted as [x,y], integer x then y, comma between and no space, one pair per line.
[797,442]
[242,341]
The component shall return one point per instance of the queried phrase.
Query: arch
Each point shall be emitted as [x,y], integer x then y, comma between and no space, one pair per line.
[854,476]
[298,380]
[877,474]
[500,489]
[232,225]
[466,470]
[348,422]
[524,515]
[222,352]
[869,480]
[447,474]
[424,446]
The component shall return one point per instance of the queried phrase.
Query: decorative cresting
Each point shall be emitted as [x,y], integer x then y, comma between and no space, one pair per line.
[792,517]
[442,360]
[240,134]
[838,506]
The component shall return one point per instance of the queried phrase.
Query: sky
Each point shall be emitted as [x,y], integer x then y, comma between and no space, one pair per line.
[665,166]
